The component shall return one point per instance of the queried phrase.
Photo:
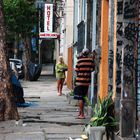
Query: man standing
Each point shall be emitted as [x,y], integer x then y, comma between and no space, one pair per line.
[84,67]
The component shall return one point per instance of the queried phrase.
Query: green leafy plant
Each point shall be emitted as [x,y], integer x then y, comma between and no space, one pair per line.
[103,112]
[71,93]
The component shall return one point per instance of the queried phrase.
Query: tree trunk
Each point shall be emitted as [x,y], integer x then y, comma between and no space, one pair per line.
[8,110]
[26,57]
[15,45]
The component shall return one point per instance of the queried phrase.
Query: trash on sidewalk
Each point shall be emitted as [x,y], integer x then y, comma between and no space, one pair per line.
[34,71]
[26,104]
[20,123]
[74,139]
[17,89]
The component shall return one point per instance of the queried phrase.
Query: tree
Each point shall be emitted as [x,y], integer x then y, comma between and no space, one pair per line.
[8,108]
[20,18]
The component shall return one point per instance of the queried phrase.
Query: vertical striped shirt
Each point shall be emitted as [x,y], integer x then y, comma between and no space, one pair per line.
[84,67]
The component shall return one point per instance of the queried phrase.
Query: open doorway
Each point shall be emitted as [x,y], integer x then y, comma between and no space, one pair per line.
[47,51]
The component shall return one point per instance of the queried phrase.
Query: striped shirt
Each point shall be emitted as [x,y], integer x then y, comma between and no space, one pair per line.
[84,67]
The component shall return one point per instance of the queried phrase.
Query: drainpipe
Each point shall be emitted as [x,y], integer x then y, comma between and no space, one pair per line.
[93,43]
[78,10]
[85,26]
[111,45]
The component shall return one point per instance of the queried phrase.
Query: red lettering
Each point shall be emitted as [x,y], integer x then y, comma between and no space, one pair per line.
[47,28]
[48,13]
[53,35]
[48,8]
[48,23]
[48,17]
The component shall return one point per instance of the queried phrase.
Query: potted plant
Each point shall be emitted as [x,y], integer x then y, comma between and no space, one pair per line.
[103,118]
[70,98]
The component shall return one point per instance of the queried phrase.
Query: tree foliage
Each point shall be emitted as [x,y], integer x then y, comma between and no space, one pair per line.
[20,16]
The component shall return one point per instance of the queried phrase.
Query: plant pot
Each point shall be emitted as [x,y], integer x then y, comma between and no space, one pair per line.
[71,100]
[96,132]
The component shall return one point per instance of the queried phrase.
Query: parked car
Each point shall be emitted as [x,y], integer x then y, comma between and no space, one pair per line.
[20,67]
[14,68]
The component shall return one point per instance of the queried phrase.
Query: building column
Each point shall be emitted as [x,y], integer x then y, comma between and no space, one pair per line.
[103,91]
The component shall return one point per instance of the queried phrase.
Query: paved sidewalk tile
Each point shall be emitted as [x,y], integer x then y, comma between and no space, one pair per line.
[48,116]
[25,136]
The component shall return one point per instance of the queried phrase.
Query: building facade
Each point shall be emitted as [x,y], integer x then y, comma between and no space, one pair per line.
[110,28]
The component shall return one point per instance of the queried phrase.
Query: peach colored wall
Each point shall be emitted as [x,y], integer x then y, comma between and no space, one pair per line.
[70,68]
[103,91]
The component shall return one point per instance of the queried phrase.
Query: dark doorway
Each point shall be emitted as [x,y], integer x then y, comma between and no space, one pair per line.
[47,50]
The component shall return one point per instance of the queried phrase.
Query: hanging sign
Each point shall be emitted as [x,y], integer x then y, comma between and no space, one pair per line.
[48,18]
[48,35]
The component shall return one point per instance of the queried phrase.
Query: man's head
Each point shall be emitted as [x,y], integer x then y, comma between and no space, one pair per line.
[85,52]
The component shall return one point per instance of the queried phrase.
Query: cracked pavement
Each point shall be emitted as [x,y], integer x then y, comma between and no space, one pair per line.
[49,117]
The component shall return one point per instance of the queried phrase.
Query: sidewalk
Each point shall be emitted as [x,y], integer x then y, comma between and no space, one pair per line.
[49,117]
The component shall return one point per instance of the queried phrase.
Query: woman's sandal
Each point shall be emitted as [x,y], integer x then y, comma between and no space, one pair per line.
[58,94]
[80,117]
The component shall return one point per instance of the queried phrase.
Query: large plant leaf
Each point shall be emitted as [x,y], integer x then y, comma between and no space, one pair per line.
[102,115]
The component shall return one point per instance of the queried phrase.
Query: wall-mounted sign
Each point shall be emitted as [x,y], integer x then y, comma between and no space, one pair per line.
[48,18]
[49,35]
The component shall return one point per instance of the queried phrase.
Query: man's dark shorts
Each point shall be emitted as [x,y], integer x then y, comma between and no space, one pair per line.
[80,92]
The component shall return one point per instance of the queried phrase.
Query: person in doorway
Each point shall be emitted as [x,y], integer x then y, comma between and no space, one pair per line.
[60,69]
[84,67]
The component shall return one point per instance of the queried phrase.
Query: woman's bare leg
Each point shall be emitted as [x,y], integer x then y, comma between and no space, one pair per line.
[61,86]
[58,86]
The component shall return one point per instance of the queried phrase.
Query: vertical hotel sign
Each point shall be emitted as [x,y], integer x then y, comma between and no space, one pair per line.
[48,18]
[48,23]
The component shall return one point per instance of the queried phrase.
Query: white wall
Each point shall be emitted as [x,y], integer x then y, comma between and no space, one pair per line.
[66,28]
[69,27]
